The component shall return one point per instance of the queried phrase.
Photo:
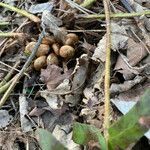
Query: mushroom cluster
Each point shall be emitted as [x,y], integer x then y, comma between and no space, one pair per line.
[50,50]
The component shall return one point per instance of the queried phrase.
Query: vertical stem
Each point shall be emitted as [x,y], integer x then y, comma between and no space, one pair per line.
[107,71]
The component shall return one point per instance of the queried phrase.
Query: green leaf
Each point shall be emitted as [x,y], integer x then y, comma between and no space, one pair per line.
[83,133]
[128,130]
[47,141]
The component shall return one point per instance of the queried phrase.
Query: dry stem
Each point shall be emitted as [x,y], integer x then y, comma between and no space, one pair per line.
[107,72]
[22,12]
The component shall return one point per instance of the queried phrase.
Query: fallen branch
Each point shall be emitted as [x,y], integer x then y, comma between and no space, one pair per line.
[22,12]
[118,15]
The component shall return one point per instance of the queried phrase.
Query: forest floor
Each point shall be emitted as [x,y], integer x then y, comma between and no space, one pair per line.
[55,67]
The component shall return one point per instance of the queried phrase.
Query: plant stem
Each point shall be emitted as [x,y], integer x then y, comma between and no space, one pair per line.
[107,71]
[11,34]
[3,23]
[118,15]
[22,12]
[20,74]
[6,85]
[8,76]
[87,3]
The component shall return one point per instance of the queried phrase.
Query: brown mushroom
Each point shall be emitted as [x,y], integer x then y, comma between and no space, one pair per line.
[67,51]
[52,59]
[42,50]
[40,62]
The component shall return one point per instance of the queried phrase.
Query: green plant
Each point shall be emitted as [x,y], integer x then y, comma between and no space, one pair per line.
[122,133]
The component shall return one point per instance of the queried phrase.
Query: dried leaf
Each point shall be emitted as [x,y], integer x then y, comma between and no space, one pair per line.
[118,41]
[63,134]
[79,76]
[38,8]
[127,85]
[135,52]
[26,125]
[53,100]
[52,23]
[36,112]
[80,73]
[53,76]
[5,118]
[125,64]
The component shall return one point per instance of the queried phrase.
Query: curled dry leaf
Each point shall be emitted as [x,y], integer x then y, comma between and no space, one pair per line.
[127,85]
[79,76]
[80,73]
[53,76]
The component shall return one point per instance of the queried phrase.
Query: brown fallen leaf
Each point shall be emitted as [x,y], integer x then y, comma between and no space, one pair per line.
[136,52]
[118,41]
[126,64]
[53,76]
[36,112]
[79,74]
[127,85]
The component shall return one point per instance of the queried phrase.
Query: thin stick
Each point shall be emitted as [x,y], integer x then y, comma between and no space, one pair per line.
[12,68]
[20,74]
[8,76]
[75,5]
[3,23]
[11,34]
[107,71]
[75,31]
[118,15]
[22,12]
[6,86]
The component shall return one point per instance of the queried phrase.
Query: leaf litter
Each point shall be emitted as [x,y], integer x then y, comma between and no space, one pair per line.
[73,90]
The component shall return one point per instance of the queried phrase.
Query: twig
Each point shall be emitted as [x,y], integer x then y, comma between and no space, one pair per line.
[75,5]
[20,74]
[12,68]
[107,71]
[11,34]
[8,76]
[75,31]
[22,12]
[118,15]
[6,86]
[4,23]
